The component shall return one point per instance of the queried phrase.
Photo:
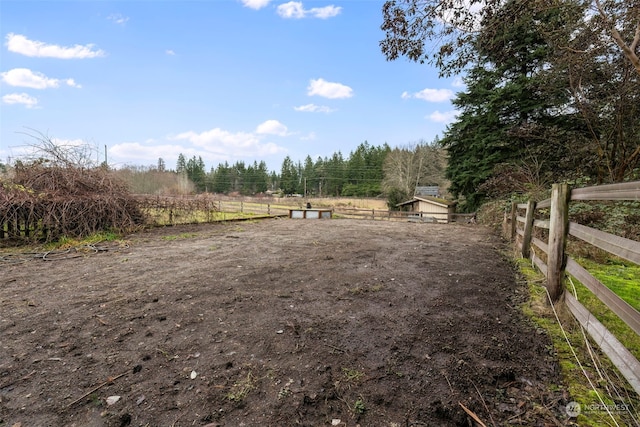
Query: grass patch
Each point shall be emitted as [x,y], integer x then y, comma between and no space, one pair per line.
[588,379]
[622,277]
[183,216]
[68,242]
[179,236]
[608,318]
[352,375]
[624,280]
[241,388]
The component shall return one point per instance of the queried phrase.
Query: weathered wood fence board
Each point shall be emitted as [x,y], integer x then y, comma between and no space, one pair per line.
[558,263]
[616,304]
[620,191]
[619,246]
[628,365]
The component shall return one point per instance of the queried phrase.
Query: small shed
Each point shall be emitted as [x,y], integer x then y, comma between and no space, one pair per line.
[431,209]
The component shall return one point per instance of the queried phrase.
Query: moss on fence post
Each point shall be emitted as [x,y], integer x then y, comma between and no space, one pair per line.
[528,229]
[558,228]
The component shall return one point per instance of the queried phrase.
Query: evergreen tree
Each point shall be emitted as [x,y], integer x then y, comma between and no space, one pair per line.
[181,165]
[335,169]
[238,175]
[365,170]
[221,179]
[289,176]
[261,174]
[195,170]
[310,177]
[509,106]
[321,176]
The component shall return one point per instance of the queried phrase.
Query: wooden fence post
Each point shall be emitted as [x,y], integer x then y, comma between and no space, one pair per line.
[528,229]
[514,214]
[558,228]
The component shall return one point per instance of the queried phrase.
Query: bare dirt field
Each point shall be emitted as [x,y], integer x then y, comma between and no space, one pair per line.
[275,323]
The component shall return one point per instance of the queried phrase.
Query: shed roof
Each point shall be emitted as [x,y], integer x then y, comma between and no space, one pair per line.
[429,190]
[433,200]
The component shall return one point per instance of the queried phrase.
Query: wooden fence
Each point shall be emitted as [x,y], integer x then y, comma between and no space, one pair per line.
[173,210]
[339,212]
[528,223]
[177,212]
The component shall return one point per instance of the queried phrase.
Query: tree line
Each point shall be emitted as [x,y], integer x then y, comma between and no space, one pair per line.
[360,174]
[368,171]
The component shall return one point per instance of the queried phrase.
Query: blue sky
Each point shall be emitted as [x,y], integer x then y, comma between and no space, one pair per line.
[227,80]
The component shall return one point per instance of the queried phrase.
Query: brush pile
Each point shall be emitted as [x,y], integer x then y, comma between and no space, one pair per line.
[53,197]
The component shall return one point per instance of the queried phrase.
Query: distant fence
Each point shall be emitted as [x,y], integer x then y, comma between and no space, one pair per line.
[528,223]
[393,215]
[206,208]
[180,210]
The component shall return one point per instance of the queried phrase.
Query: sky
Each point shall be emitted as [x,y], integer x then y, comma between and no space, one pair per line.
[224,80]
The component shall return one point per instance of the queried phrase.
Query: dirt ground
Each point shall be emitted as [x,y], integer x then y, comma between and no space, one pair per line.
[275,323]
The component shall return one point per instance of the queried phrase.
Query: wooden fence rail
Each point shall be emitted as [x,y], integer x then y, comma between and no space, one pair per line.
[173,210]
[552,260]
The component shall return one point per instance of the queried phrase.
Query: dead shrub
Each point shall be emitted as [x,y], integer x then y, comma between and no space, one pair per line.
[53,196]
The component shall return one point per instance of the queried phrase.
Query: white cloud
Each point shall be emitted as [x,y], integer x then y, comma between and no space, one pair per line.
[134,151]
[227,144]
[296,10]
[24,77]
[327,89]
[218,137]
[446,117]
[20,44]
[169,52]
[293,9]
[20,98]
[117,18]
[313,108]
[255,4]
[72,83]
[430,95]
[272,127]
[325,12]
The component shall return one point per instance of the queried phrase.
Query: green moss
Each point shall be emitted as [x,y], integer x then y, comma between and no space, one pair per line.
[621,277]
[573,356]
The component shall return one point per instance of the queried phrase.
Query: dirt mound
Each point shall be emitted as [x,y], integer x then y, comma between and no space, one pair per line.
[276,323]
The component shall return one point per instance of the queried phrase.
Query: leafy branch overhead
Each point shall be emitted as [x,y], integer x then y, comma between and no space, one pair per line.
[443,32]
[552,88]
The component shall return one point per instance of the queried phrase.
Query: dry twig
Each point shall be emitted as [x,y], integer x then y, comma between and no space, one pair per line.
[98,387]
[472,415]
